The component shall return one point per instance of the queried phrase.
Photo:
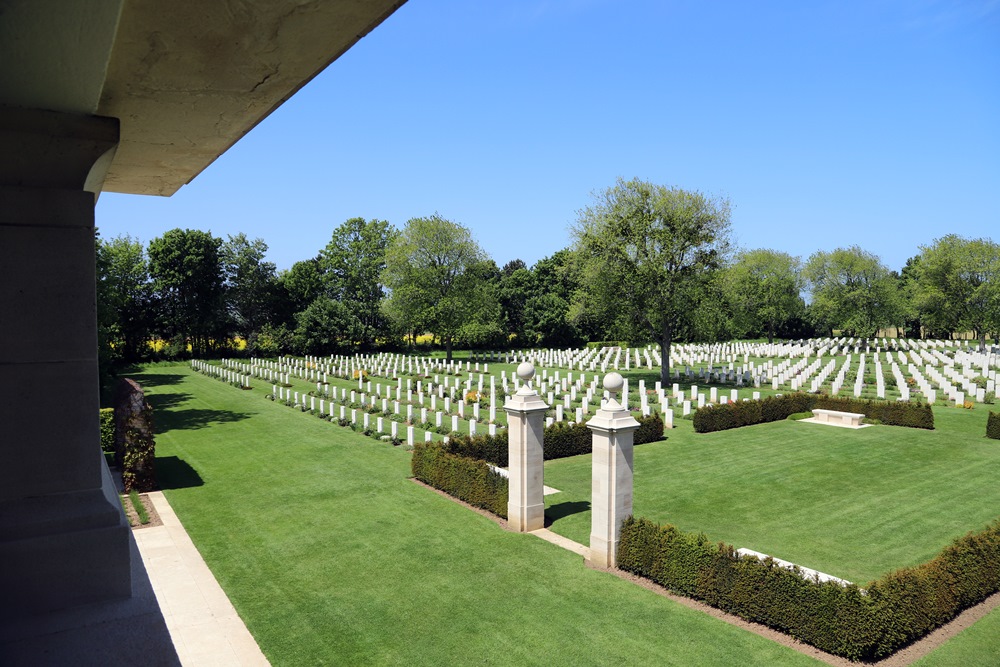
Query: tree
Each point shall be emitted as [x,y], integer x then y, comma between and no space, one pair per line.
[428,275]
[649,251]
[325,326]
[516,287]
[351,265]
[958,285]
[853,291]
[483,327]
[763,288]
[187,277]
[548,324]
[124,293]
[250,285]
[558,309]
[909,286]
[712,320]
[297,288]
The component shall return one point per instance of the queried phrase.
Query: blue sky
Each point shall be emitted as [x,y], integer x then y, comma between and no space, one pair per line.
[825,123]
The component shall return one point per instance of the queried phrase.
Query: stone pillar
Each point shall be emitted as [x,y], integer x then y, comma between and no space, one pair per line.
[63,536]
[525,417]
[611,477]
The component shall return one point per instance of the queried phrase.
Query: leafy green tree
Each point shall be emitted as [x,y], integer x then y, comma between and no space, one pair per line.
[558,274]
[516,287]
[351,265]
[124,293]
[273,339]
[712,321]
[649,252]
[573,317]
[958,285]
[548,322]
[484,327]
[325,326]
[429,278]
[909,287]
[250,286]
[852,290]
[297,288]
[187,275]
[763,288]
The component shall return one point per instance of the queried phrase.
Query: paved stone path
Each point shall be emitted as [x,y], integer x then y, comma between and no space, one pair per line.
[204,626]
[564,542]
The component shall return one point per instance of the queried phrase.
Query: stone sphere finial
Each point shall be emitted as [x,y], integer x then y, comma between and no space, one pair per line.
[526,371]
[614,382]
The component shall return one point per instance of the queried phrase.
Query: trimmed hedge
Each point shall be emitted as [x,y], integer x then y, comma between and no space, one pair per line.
[890,413]
[483,447]
[465,478]
[108,430]
[650,429]
[775,408]
[860,625]
[560,440]
[993,426]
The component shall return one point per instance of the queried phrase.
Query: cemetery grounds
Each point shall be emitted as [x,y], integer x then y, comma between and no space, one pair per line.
[331,554]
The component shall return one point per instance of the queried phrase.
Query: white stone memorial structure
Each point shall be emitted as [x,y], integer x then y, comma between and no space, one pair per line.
[611,500]
[525,414]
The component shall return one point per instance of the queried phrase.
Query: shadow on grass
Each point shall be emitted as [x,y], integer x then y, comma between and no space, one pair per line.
[175,473]
[195,418]
[157,379]
[563,510]
[167,401]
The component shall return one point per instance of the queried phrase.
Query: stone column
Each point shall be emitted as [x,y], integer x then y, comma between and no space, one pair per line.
[525,417]
[63,537]
[611,499]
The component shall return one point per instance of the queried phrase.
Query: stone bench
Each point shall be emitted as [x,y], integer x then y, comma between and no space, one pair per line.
[838,417]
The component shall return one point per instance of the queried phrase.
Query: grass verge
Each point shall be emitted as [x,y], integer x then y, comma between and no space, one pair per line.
[140,509]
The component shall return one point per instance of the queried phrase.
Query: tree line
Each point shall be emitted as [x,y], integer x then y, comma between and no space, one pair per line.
[647,263]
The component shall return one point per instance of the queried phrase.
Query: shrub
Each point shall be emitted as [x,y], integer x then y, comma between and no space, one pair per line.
[562,440]
[895,610]
[465,478]
[650,429]
[134,444]
[774,408]
[108,430]
[993,426]
[484,447]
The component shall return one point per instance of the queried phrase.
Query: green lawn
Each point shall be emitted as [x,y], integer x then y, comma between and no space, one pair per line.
[978,645]
[854,504]
[333,556]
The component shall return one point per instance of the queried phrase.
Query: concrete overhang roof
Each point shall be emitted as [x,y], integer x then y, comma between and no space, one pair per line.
[186,78]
